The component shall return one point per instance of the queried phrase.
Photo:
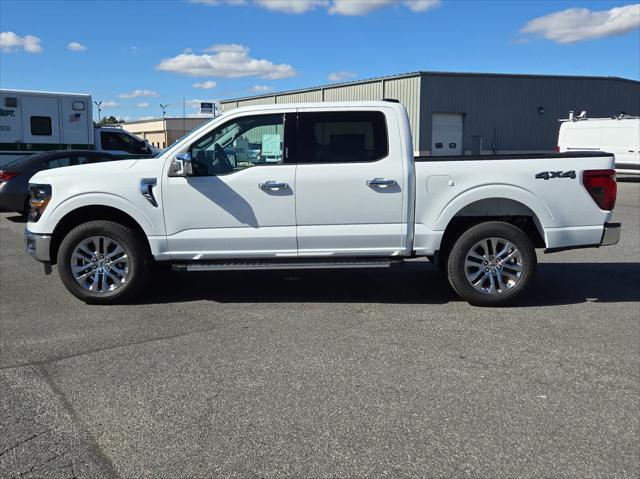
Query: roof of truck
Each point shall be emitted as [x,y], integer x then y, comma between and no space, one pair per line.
[37,92]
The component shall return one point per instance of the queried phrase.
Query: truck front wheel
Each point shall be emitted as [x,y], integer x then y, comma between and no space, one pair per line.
[491,264]
[103,262]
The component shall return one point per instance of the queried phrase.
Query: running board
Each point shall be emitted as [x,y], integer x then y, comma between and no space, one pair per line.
[288,264]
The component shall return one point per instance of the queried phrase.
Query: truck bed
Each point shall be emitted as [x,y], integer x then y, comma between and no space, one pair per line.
[547,187]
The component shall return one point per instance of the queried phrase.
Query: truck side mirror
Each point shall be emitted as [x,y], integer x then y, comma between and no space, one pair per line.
[181,165]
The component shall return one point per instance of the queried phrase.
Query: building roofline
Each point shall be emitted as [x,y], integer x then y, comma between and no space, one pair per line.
[167,118]
[423,73]
[327,86]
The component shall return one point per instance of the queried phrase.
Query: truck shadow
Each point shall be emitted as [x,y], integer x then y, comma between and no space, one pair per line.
[415,283]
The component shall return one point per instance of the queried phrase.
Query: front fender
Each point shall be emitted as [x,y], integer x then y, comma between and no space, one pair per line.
[60,210]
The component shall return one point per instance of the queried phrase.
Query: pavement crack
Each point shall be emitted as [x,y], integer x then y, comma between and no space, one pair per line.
[55,456]
[55,359]
[24,441]
[98,455]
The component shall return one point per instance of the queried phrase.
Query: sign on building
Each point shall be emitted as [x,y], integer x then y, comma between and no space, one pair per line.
[206,107]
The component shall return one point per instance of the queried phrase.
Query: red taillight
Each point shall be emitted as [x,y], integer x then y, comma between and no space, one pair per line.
[602,186]
[7,175]
[558,148]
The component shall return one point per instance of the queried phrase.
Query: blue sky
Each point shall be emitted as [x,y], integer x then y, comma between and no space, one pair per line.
[136,55]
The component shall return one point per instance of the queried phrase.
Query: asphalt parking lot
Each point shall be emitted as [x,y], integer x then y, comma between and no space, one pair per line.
[325,374]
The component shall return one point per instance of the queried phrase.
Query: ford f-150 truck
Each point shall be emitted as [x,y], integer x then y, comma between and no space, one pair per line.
[319,185]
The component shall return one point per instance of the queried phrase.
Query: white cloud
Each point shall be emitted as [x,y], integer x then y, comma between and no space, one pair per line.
[205,85]
[215,3]
[139,93]
[109,104]
[291,6]
[227,61]
[76,47]
[340,7]
[260,88]
[422,5]
[10,42]
[578,24]
[341,76]
[148,117]
[142,104]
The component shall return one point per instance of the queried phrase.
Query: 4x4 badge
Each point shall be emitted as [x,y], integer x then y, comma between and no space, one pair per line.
[547,175]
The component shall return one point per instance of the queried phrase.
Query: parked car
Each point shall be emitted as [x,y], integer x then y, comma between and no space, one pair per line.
[333,185]
[618,135]
[14,176]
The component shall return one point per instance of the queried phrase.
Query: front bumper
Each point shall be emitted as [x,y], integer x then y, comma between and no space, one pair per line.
[37,245]
[611,234]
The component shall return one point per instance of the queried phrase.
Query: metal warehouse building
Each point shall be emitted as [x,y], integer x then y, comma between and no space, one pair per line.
[478,113]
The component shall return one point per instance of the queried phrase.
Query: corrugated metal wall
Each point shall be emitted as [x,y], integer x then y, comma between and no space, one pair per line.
[268,100]
[406,89]
[300,97]
[504,110]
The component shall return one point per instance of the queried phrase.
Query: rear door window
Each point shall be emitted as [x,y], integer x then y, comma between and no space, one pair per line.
[60,162]
[342,137]
[117,141]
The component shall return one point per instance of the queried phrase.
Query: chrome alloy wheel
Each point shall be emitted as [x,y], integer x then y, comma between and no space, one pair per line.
[493,266]
[99,264]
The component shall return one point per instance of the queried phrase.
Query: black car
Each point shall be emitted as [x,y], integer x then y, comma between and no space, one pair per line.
[15,175]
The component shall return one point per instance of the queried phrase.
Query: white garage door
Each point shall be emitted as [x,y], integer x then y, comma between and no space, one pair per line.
[446,134]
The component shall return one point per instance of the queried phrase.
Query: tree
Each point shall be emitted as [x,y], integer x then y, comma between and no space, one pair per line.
[110,120]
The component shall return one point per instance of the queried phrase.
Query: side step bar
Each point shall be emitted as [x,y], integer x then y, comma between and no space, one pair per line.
[288,264]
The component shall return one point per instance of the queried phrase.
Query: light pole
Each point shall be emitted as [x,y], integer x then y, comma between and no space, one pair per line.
[164,109]
[98,103]
[164,124]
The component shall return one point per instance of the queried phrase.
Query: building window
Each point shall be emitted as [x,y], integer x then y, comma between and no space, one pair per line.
[452,145]
[41,126]
[342,137]
[438,146]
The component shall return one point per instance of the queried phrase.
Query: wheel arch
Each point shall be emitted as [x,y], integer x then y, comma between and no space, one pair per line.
[87,213]
[483,210]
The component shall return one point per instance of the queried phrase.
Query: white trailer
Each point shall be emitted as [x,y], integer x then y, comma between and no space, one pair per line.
[35,121]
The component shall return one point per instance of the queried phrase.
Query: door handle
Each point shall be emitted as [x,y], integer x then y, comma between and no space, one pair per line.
[273,185]
[381,182]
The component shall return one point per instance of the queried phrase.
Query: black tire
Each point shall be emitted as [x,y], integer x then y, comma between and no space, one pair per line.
[26,209]
[135,249]
[456,269]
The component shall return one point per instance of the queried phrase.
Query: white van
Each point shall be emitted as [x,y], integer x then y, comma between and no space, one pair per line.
[619,135]
[34,122]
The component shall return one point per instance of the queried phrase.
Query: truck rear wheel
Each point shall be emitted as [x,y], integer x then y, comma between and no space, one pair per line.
[103,262]
[491,264]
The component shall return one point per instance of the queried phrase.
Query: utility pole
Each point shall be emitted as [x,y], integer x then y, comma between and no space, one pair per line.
[164,124]
[98,103]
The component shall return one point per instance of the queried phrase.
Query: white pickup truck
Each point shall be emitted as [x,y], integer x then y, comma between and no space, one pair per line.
[319,185]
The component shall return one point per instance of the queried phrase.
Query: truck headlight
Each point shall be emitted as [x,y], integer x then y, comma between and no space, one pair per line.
[39,197]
